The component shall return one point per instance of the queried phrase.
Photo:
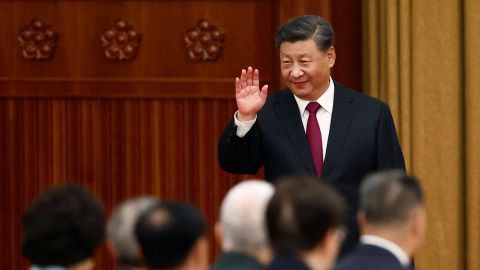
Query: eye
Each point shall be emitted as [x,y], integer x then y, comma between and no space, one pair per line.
[304,61]
[286,61]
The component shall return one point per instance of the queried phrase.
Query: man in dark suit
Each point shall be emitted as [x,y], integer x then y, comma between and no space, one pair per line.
[346,136]
[304,223]
[393,220]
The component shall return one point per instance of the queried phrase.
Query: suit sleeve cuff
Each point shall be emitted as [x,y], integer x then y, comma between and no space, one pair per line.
[243,127]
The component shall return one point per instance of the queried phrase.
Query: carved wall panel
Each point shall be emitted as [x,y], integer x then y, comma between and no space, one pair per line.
[37,40]
[204,41]
[152,33]
[126,129]
[121,41]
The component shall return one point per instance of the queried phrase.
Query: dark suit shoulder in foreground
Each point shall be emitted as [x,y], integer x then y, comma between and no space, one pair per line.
[287,262]
[369,257]
[236,261]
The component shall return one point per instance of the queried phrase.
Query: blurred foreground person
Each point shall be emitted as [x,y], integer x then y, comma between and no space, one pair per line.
[304,220]
[62,228]
[172,236]
[392,217]
[121,235]
[241,230]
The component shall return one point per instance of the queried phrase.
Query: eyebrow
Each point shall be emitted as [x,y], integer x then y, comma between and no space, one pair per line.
[300,56]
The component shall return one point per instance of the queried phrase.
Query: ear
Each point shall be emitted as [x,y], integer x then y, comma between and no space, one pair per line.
[361,219]
[218,231]
[419,223]
[331,245]
[199,255]
[331,55]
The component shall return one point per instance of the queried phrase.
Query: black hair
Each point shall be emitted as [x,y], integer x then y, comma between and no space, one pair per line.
[304,28]
[63,226]
[167,233]
[301,212]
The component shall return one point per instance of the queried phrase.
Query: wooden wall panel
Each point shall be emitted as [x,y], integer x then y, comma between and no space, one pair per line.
[117,148]
[148,126]
[162,25]
[346,18]
[162,58]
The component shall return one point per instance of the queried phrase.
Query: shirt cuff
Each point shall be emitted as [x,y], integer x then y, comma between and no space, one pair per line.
[243,127]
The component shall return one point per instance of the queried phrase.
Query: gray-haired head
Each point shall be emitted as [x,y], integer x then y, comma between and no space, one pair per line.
[242,217]
[120,229]
[306,27]
[389,197]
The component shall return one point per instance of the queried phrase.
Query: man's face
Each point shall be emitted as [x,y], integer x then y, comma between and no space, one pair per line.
[305,69]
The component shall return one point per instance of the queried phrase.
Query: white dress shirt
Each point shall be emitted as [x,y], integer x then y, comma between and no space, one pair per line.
[324,115]
[387,245]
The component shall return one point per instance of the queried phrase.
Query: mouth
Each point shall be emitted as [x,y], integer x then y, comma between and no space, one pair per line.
[300,84]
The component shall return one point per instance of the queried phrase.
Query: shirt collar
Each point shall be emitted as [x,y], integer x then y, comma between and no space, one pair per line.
[325,100]
[393,248]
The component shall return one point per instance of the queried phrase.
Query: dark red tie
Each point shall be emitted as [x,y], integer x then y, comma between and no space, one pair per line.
[314,137]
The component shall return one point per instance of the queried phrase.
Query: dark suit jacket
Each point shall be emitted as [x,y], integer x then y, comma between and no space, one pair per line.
[369,257]
[362,139]
[286,262]
[236,261]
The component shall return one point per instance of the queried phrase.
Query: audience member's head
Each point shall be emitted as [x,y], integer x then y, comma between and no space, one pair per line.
[305,218]
[242,226]
[120,231]
[172,235]
[391,206]
[63,227]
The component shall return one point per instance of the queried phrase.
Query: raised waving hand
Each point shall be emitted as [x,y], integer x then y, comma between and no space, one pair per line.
[250,98]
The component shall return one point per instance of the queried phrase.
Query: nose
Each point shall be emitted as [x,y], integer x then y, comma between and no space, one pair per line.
[297,72]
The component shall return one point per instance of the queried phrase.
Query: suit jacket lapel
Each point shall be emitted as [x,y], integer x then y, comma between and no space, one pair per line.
[343,111]
[287,111]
